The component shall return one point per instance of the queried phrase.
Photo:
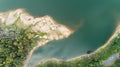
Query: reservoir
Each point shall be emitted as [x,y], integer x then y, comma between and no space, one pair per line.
[92,20]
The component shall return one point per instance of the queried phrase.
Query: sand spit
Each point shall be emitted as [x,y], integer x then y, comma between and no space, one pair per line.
[46,24]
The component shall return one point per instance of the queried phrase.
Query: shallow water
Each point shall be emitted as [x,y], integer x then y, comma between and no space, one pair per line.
[93,22]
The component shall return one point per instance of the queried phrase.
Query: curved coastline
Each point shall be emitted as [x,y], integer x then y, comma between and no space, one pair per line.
[61,28]
[53,30]
[114,35]
[65,35]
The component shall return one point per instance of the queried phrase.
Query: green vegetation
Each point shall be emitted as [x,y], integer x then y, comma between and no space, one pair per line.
[116,64]
[15,43]
[17,40]
[94,59]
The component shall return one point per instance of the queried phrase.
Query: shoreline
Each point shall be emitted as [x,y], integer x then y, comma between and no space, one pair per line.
[114,35]
[52,37]
[31,52]
[64,35]
[62,28]
[46,24]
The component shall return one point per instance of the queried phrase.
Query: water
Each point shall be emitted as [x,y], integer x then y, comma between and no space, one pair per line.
[93,22]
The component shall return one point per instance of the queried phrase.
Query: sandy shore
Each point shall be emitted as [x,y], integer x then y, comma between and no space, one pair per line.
[52,35]
[46,24]
[50,27]
[31,52]
[48,59]
[114,35]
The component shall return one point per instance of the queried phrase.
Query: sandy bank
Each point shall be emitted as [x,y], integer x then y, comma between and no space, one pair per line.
[46,24]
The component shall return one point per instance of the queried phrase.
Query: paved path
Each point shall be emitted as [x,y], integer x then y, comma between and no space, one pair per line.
[111,59]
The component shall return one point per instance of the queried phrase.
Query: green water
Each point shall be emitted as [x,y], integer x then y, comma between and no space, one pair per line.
[93,22]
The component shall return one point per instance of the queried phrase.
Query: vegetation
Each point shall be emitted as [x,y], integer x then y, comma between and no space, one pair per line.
[116,64]
[15,43]
[94,60]
[16,40]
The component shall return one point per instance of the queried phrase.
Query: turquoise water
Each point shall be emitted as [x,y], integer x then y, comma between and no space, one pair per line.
[93,22]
